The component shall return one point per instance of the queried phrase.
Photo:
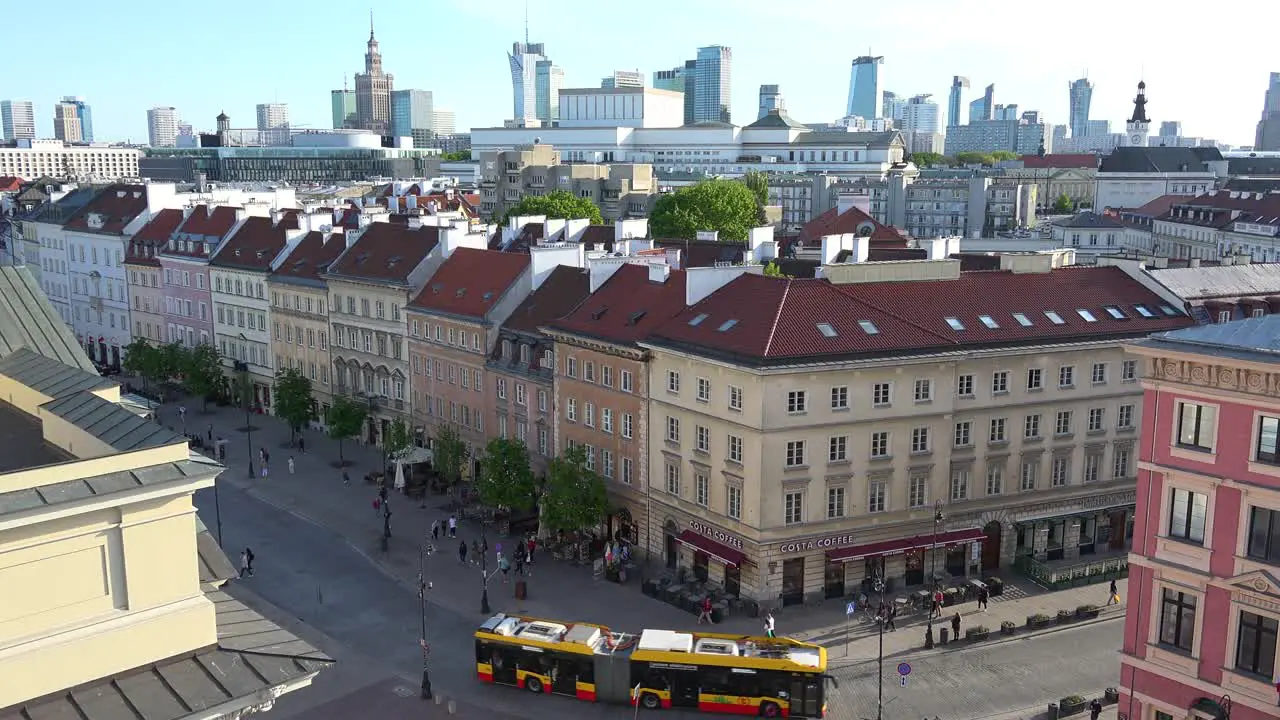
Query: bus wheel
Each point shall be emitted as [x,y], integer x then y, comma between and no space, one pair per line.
[533,685]
[768,709]
[650,701]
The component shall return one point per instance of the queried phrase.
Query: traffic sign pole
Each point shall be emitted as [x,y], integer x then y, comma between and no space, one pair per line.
[850,610]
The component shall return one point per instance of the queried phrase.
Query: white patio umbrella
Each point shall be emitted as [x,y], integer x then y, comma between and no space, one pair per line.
[399,475]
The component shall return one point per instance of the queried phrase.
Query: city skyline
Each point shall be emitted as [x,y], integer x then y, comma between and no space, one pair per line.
[815,81]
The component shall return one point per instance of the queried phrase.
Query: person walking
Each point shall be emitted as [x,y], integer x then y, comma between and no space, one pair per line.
[290,464]
[453,526]
[504,565]
[248,551]
[891,618]
[1095,709]
[1113,593]
[377,505]
[983,596]
[210,432]
[435,529]
[530,546]
[955,626]
[519,556]
[462,552]
[937,603]
[768,624]
[346,479]
[302,445]
[244,562]
[705,611]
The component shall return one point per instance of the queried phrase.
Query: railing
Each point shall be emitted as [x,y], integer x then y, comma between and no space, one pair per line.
[1056,576]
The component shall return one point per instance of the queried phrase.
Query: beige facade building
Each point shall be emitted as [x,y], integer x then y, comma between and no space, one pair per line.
[796,458]
[300,305]
[620,190]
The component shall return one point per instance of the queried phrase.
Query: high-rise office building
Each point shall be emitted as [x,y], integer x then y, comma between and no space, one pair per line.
[865,99]
[550,78]
[920,115]
[66,121]
[955,101]
[162,126]
[1268,135]
[1080,96]
[373,90]
[891,106]
[681,79]
[444,122]
[18,119]
[770,100]
[413,115]
[984,108]
[273,116]
[623,78]
[713,91]
[1171,128]
[343,104]
[1005,112]
[535,83]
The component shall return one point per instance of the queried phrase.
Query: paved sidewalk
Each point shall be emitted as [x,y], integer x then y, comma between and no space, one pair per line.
[316,493]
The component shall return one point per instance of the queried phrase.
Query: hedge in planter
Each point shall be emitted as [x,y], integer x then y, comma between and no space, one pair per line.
[1039,620]
[995,586]
[1065,616]
[1087,612]
[1070,705]
[977,632]
[1007,627]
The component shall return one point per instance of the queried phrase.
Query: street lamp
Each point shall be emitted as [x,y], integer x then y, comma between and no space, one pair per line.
[423,587]
[884,613]
[484,571]
[243,368]
[933,570]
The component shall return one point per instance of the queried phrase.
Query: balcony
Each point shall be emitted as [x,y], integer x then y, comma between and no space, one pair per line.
[488,181]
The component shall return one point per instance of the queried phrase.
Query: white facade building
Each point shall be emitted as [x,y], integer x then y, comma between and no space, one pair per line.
[444,122]
[920,115]
[272,116]
[162,126]
[18,119]
[1133,176]
[53,158]
[627,106]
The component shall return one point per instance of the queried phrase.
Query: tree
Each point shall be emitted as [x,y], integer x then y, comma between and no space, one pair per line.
[556,204]
[203,372]
[726,206]
[926,159]
[449,454]
[1063,204]
[975,158]
[397,439]
[294,401]
[142,359]
[506,481]
[758,183]
[456,156]
[772,270]
[573,497]
[1004,155]
[346,417]
[172,361]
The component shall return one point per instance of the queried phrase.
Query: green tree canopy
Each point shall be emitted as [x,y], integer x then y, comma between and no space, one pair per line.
[143,360]
[346,416]
[1063,204]
[726,206]
[203,372]
[506,481]
[456,156]
[398,438]
[556,204]
[1003,155]
[294,401]
[772,270]
[449,454]
[975,158]
[926,159]
[573,497]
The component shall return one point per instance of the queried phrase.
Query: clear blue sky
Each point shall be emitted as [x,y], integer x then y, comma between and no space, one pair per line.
[232,54]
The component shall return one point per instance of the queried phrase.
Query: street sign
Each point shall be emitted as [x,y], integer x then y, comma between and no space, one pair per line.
[851,608]
[904,669]
[904,681]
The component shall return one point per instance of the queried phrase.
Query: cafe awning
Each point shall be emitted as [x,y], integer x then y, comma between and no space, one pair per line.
[902,545]
[719,551]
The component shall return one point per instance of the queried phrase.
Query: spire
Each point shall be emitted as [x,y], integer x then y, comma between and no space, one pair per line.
[526,22]
[1140,104]
[371,25]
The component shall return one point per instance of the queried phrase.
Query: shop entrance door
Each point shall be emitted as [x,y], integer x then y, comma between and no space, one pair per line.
[793,581]
[732,580]
[700,563]
[991,546]
[833,579]
[672,551]
[1118,530]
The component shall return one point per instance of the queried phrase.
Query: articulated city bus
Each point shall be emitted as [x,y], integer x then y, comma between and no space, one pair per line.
[740,674]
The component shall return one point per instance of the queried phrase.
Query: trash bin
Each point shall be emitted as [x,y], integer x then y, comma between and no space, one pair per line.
[521,590]
[943,634]
[1053,711]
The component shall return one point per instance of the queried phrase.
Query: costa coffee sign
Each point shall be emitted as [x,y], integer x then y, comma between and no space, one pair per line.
[826,543]
[716,534]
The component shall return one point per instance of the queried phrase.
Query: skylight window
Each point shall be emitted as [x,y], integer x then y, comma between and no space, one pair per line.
[697,319]
[1054,317]
[1086,315]
[1168,310]
[955,324]
[868,327]
[727,325]
[1116,312]
[826,330]
[1022,319]
[1144,311]
[989,321]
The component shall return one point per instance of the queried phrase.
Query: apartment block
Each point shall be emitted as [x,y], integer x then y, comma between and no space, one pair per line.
[620,190]
[184,264]
[146,291]
[30,159]
[1203,612]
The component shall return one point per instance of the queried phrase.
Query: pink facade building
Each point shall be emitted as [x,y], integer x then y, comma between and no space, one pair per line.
[1200,639]
[184,272]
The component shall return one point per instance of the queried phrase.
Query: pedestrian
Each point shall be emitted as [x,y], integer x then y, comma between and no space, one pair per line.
[210,432]
[302,445]
[519,553]
[248,551]
[891,617]
[382,493]
[531,545]
[346,479]
[1113,593]
[435,529]
[290,464]
[265,471]
[377,506]
[1095,709]
[244,562]
[705,612]
[453,526]
[768,624]
[983,596]
[955,626]
[504,565]
[462,552]
[937,602]
[266,457]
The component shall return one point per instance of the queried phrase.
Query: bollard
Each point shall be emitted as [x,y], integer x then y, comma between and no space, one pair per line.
[453,708]
[439,699]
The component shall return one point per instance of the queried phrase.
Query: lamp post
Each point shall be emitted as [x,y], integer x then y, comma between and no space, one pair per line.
[243,368]
[933,570]
[423,587]
[484,572]
[879,585]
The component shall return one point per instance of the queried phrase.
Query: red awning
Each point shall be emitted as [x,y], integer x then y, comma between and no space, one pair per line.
[719,551]
[897,547]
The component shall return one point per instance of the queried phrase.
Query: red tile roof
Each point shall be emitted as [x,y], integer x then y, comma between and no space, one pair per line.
[1060,161]
[556,297]
[386,251]
[254,245]
[833,222]
[470,283]
[152,237]
[117,205]
[311,256]
[214,222]
[9,183]
[627,307]
[779,320]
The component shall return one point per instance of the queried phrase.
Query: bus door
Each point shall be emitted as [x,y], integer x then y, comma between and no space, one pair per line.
[564,675]
[684,686]
[505,660]
[806,696]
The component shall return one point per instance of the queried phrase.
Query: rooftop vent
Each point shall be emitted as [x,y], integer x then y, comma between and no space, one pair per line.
[636,316]
[598,313]
[460,292]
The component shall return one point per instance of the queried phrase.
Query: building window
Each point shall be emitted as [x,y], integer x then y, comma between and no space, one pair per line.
[606,417]
[626,426]
[999,431]
[920,440]
[795,453]
[964,386]
[1129,370]
[589,371]
[797,401]
[1096,416]
[1187,514]
[673,429]
[571,367]
[1000,382]
[793,508]
[606,371]
[1029,475]
[673,381]
[701,488]
[735,398]
[1124,417]
[918,491]
[838,449]
[879,444]
[959,485]
[502,387]
[1031,426]
[923,390]
[882,394]
[995,480]
[626,469]
[673,479]
[835,502]
[964,434]
[1120,463]
[876,492]
[1035,379]
[840,397]
[1264,535]
[1092,463]
[1177,619]
[1062,424]
[1061,471]
[1099,373]
[1067,376]
[702,438]
[1196,426]
[1268,446]
[1256,645]
[589,415]
[704,390]
[624,377]
[570,410]
[733,502]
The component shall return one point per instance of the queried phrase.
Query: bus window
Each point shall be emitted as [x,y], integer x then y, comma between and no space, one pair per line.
[715,681]
[482,652]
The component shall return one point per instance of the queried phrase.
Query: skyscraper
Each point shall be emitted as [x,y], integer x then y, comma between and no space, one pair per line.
[535,83]
[955,101]
[681,79]
[162,126]
[1268,135]
[373,90]
[1171,128]
[984,108]
[550,78]
[273,116]
[864,88]
[891,106]
[713,90]
[443,122]
[344,108]
[1080,93]
[920,114]
[66,121]
[770,100]
[18,119]
[413,115]
[623,78]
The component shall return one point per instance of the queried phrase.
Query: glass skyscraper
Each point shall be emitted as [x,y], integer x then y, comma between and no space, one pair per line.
[955,102]
[1081,95]
[713,93]
[865,99]
[411,110]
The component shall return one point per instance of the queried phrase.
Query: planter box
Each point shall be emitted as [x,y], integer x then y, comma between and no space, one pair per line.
[978,636]
[1086,614]
[1064,710]
[1040,624]
[1064,619]
[1011,629]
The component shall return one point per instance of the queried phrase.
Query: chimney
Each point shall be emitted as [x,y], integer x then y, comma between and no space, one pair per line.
[701,282]
[673,257]
[761,245]
[600,272]
[659,272]
[937,248]
[275,216]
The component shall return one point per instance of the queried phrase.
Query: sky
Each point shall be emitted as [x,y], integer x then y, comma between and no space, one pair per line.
[124,58]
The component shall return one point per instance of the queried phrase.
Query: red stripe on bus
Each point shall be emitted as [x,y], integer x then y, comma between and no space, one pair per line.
[729,708]
[588,695]
[484,676]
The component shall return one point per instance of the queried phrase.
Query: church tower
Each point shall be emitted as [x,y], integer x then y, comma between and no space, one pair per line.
[1138,128]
